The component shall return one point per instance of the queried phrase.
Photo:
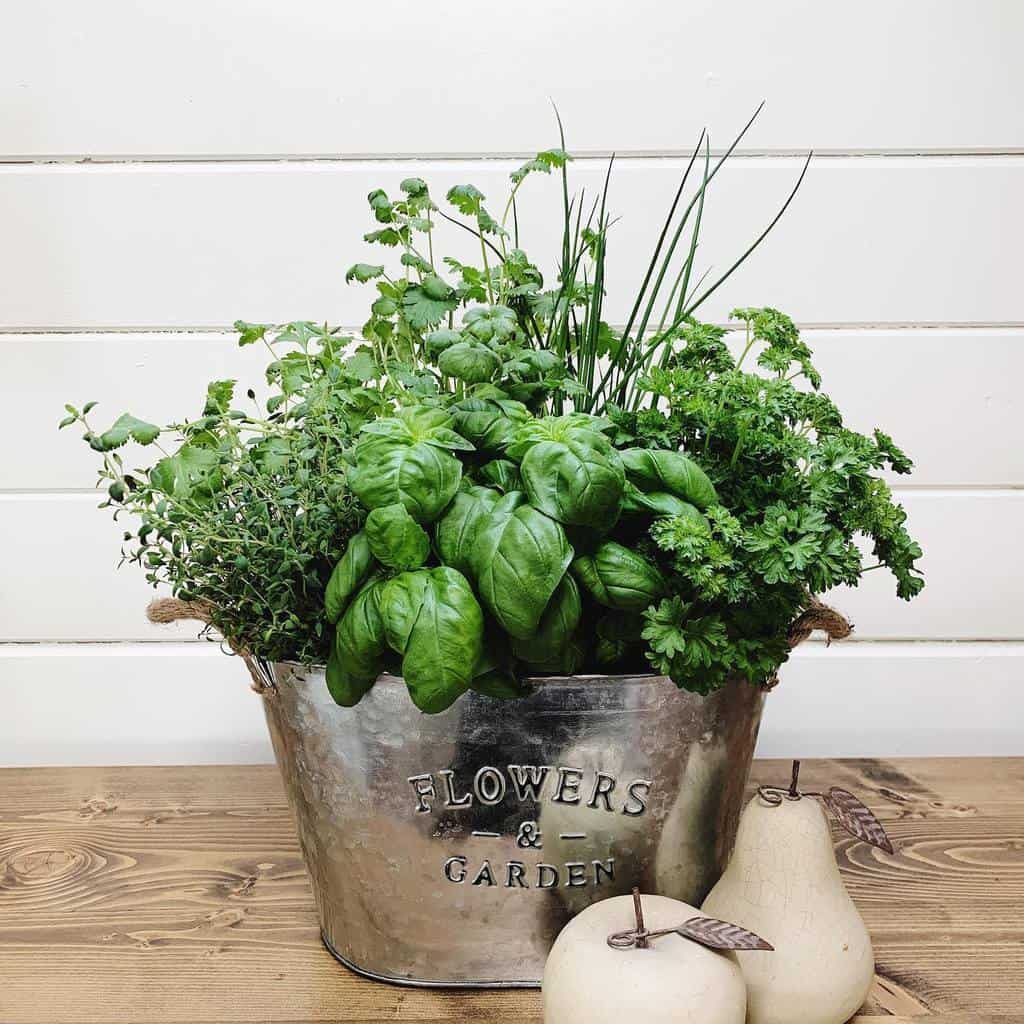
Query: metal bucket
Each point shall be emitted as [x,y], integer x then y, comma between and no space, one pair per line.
[450,849]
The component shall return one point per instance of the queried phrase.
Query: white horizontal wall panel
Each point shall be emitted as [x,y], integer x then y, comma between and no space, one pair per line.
[128,704]
[914,700]
[60,581]
[950,397]
[238,77]
[188,704]
[869,240]
[974,572]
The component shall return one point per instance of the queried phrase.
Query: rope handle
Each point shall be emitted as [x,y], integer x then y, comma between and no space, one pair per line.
[818,616]
[171,609]
[165,610]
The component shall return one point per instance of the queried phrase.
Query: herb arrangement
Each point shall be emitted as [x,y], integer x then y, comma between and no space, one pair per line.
[492,482]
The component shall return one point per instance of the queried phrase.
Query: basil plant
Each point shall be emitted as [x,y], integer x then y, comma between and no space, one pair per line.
[488,538]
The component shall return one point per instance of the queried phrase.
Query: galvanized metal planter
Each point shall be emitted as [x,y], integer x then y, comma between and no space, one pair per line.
[450,850]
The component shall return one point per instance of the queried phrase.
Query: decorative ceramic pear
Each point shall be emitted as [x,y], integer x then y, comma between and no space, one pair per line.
[783,884]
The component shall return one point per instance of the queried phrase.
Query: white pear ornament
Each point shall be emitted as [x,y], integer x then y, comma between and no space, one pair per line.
[784,884]
[652,959]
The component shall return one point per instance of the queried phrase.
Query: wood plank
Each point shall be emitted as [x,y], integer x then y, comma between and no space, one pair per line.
[70,548]
[178,889]
[91,704]
[161,377]
[96,245]
[909,76]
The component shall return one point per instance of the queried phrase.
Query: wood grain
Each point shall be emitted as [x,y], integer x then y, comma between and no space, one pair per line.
[178,896]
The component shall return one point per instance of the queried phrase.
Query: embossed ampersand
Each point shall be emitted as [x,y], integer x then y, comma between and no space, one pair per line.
[529,836]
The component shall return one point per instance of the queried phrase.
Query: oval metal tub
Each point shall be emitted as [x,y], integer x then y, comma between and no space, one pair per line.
[450,849]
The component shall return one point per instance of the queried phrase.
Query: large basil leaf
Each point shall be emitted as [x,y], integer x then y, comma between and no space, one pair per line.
[395,538]
[501,473]
[658,503]
[575,426]
[619,578]
[357,658]
[433,620]
[456,530]
[426,423]
[556,626]
[660,470]
[420,476]
[349,574]
[518,559]
[575,482]
[490,423]
[469,361]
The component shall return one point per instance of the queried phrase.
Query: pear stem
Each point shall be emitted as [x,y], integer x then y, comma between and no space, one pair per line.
[795,778]
[641,932]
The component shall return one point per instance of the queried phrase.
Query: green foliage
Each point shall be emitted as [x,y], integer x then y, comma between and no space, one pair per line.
[457,529]
[491,482]
[357,658]
[557,625]
[469,361]
[489,423]
[351,571]
[247,508]
[669,471]
[395,538]
[126,427]
[575,483]
[618,578]
[517,560]
[405,460]
[432,619]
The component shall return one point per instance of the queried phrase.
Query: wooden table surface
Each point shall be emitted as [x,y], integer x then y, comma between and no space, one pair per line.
[178,896]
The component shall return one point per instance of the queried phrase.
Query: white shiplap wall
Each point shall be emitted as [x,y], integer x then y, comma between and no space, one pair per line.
[168,168]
